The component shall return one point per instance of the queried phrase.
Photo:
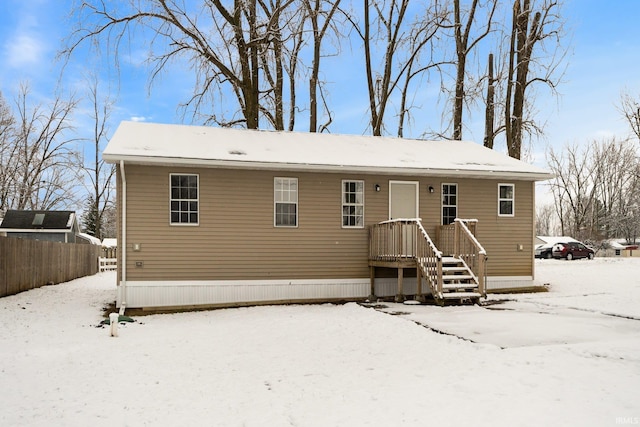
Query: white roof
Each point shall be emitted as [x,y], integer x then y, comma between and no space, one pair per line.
[556,239]
[93,240]
[150,143]
[110,242]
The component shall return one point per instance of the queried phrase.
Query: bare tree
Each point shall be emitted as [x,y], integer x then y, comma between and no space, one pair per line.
[574,188]
[403,41]
[7,153]
[597,189]
[322,21]
[534,29]
[38,155]
[466,40]
[545,216]
[489,117]
[99,173]
[617,192]
[223,43]
[630,109]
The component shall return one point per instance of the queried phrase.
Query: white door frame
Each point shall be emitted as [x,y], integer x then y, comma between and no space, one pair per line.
[417,194]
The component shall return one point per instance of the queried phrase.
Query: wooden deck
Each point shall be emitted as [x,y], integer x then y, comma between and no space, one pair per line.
[404,243]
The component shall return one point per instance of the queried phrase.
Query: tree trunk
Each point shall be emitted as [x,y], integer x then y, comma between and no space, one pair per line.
[490,107]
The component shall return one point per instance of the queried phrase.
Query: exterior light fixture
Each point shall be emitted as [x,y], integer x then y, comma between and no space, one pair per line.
[377,187]
[431,189]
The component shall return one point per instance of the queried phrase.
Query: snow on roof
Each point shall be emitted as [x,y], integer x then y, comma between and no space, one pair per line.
[552,240]
[91,239]
[151,143]
[110,242]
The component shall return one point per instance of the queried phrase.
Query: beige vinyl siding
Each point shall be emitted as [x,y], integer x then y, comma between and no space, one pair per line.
[237,240]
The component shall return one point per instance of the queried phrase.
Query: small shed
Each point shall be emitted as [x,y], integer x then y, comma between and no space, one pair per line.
[53,226]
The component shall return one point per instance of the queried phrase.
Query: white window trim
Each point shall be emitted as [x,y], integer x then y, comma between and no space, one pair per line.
[442,205]
[185,224]
[513,199]
[276,202]
[343,204]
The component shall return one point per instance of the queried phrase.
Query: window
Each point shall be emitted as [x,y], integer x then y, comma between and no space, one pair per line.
[449,203]
[353,204]
[38,219]
[285,197]
[184,199]
[506,200]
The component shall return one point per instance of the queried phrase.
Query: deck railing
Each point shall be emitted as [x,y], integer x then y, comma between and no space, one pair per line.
[467,248]
[405,240]
[445,235]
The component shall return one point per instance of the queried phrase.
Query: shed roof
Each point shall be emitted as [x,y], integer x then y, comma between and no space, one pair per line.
[38,220]
[162,144]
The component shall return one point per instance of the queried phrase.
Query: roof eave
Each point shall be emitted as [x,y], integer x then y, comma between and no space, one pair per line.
[231,164]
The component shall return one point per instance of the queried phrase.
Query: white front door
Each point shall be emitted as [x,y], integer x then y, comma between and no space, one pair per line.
[403,199]
[403,204]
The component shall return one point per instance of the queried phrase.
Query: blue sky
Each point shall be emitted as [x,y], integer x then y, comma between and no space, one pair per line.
[604,59]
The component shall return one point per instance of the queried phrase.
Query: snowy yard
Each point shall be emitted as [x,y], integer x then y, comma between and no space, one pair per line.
[570,356]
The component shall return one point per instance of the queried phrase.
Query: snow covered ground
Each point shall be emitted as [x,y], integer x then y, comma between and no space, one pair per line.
[570,356]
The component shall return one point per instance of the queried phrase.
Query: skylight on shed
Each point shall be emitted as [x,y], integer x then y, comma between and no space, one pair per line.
[38,219]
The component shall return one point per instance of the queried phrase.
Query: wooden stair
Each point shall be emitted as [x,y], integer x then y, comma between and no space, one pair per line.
[459,284]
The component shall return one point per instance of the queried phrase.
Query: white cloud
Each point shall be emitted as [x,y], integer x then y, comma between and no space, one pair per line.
[138,118]
[24,50]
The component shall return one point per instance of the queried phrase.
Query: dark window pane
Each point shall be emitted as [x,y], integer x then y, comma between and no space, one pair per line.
[506,192]
[506,207]
[175,217]
[175,180]
[193,218]
[193,206]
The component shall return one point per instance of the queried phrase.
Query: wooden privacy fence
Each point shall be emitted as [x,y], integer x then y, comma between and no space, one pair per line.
[26,264]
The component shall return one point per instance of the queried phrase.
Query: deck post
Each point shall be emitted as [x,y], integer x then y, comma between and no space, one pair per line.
[372,278]
[419,295]
[400,294]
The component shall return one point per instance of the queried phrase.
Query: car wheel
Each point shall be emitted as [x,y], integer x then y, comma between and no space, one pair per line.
[569,256]
[590,256]
[549,256]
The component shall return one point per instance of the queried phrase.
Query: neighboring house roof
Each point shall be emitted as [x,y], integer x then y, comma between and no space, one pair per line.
[552,240]
[89,238]
[162,144]
[109,242]
[39,221]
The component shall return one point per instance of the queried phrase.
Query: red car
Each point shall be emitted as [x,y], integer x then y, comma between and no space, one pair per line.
[572,250]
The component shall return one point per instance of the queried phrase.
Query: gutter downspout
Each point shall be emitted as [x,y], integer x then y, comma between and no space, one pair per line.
[123,282]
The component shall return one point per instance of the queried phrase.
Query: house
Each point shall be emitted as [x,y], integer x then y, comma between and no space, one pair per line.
[620,248]
[53,226]
[222,217]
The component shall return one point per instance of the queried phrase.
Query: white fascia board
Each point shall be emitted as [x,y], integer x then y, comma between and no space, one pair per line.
[229,164]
